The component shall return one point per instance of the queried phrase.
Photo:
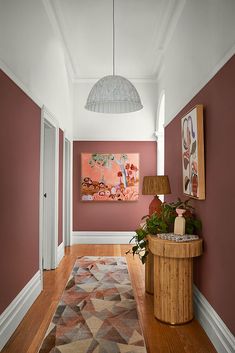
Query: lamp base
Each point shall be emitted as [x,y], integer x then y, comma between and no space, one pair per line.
[155,206]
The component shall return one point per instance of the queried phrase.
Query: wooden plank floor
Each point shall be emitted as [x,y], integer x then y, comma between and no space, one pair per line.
[159,337]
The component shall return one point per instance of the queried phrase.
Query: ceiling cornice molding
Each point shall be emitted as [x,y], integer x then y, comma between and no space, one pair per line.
[159,36]
[167,27]
[160,40]
[176,13]
[53,11]
[52,14]
[136,80]
[160,70]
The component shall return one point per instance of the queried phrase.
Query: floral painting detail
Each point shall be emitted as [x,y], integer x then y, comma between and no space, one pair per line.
[109,177]
[193,153]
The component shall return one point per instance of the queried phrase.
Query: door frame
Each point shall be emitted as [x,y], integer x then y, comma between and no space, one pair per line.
[48,119]
[67,197]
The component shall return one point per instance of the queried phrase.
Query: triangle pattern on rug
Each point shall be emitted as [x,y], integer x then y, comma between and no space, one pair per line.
[97,312]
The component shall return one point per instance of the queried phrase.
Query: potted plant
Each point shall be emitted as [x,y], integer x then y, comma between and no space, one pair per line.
[163,223]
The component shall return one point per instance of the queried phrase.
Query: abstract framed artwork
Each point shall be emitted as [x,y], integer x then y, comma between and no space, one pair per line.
[109,176]
[193,153]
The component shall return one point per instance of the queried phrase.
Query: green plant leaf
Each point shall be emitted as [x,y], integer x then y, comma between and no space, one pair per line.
[163,223]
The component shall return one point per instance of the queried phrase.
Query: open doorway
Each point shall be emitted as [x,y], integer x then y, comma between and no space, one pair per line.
[49,192]
[67,192]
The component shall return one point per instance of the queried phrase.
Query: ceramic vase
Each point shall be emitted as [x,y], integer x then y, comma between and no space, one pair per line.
[179,225]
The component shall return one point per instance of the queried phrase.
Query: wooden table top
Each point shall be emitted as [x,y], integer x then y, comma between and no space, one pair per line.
[168,248]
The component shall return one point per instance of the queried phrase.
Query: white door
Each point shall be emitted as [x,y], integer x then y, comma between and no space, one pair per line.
[49,234]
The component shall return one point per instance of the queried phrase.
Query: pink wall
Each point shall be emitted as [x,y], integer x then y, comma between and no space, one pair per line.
[60,193]
[214,273]
[19,183]
[111,216]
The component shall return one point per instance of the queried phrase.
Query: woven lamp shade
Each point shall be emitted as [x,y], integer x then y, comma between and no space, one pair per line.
[156,185]
[113,95]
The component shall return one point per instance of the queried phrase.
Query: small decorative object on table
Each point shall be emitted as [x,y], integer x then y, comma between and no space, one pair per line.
[176,237]
[179,224]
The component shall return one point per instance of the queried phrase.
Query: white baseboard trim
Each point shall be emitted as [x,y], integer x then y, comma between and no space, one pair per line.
[60,253]
[83,237]
[14,313]
[215,328]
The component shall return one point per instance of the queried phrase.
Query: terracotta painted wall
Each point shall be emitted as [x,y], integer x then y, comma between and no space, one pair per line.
[111,216]
[60,195]
[214,273]
[19,189]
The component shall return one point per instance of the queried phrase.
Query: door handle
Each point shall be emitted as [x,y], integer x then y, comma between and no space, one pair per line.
[45,195]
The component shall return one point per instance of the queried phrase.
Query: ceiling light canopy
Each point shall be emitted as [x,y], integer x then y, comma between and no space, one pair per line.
[113,94]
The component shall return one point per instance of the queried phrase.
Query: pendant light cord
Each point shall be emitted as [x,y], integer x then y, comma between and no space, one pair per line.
[113,42]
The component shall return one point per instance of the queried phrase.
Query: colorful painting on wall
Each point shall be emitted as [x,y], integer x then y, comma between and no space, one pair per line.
[193,153]
[110,177]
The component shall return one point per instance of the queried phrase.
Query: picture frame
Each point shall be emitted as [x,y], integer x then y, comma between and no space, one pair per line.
[193,168]
[109,177]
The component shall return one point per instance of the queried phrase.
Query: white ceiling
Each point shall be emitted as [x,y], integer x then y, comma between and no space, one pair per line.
[143,28]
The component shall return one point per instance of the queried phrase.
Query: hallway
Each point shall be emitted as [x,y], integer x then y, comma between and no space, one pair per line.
[159,337]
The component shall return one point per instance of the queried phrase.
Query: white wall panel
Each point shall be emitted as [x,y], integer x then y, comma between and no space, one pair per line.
[33,53]
[137,126]
[203,41]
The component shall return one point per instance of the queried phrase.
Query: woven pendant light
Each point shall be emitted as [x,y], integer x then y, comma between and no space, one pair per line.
[113,94]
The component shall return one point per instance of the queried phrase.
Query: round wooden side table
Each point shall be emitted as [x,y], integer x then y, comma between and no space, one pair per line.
[149,273]
[173,278]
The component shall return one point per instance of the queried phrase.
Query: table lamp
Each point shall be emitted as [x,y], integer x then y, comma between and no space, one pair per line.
[156,185]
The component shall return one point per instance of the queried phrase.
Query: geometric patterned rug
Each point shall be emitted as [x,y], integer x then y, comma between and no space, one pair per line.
[97,312]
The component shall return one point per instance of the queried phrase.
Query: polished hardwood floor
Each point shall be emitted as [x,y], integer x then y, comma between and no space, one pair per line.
[159,337]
